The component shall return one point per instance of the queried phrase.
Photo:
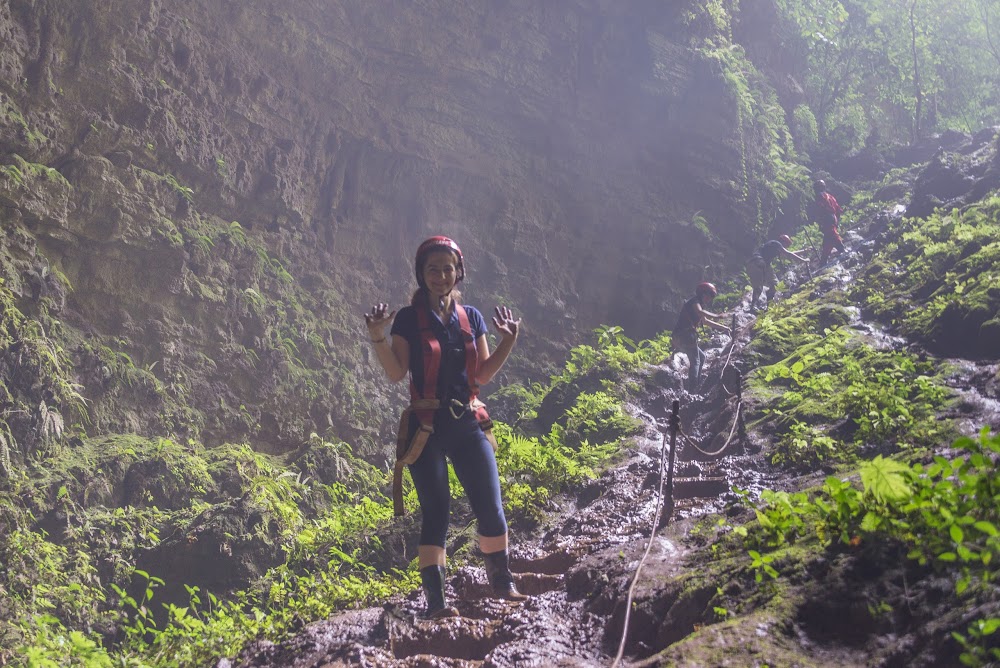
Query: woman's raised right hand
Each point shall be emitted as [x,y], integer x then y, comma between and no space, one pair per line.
[378,319]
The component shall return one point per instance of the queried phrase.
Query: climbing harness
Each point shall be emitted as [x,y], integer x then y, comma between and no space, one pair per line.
[674,429]
[424,402]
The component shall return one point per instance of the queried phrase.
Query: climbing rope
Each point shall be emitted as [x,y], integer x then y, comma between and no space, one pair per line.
[734,337]
[691,442]
[675,427]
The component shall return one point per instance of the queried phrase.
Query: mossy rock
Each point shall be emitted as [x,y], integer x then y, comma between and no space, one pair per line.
[796,326]
[221,550]
[154,482]
[989,339]
[563,397]
[124,470]
[893,192]
[958,329]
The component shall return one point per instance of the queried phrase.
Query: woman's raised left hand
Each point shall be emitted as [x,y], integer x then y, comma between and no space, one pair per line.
[504,321]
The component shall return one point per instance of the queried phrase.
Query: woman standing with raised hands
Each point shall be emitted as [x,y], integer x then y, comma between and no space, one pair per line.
[442,344]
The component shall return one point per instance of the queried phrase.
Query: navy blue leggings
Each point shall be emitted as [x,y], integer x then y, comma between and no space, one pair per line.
[471,455]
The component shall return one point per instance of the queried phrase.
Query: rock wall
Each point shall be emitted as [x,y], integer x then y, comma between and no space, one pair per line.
[566,148]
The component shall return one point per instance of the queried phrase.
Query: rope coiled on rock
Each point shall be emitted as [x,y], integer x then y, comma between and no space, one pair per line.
[725,445]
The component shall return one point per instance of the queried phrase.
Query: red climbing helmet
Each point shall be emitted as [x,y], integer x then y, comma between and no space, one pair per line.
[433,244]
[706,290]
[785,240]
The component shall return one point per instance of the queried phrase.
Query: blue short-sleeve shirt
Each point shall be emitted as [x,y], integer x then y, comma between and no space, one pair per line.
[453,381]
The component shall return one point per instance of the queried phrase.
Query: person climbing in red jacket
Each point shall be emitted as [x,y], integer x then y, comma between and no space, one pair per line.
[761,272]
[825,212]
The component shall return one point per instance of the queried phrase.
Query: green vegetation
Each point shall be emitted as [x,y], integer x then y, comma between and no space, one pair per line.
[183,191]
[533,470]
[828,389]
[10,113]
[770,171]
[29,352]
[54,592]
[22,170]
[221,168]
[939,282]
[615,355]
[889,71]
[322,508]
[945,513]
[888,397]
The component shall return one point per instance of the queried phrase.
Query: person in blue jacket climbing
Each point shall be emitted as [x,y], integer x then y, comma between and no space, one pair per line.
[760,271]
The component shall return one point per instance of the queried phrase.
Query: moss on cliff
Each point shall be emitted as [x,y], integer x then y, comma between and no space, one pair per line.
[939,282]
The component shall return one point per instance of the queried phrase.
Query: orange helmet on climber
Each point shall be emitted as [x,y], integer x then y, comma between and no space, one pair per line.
[706,289]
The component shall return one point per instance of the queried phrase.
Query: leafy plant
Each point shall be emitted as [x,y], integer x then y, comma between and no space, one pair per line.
[946,512]
[598,416]
[938,277]
[184,191]
[975,642]
[886,395]
[612,335]
[760,564]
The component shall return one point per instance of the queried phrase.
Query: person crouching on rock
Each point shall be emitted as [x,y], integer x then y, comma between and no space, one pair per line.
[761,272]
[442,344]
[685,333]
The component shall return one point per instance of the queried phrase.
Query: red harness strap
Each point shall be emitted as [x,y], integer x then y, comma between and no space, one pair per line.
[431,348]
[432,355]
[471,371]
[471,354]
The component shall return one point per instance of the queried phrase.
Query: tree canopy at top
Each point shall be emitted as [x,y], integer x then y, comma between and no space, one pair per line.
[894,69]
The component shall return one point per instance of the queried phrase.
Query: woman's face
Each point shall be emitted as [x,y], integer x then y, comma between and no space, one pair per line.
[440,272]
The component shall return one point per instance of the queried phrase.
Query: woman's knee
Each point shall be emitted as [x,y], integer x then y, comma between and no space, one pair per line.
[493,524]
[433,530]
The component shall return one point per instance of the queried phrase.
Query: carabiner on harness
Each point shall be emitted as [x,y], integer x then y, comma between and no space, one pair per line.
[455,403]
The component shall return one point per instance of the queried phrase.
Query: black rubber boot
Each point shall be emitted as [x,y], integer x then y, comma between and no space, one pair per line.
[500,577]
[432,578]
